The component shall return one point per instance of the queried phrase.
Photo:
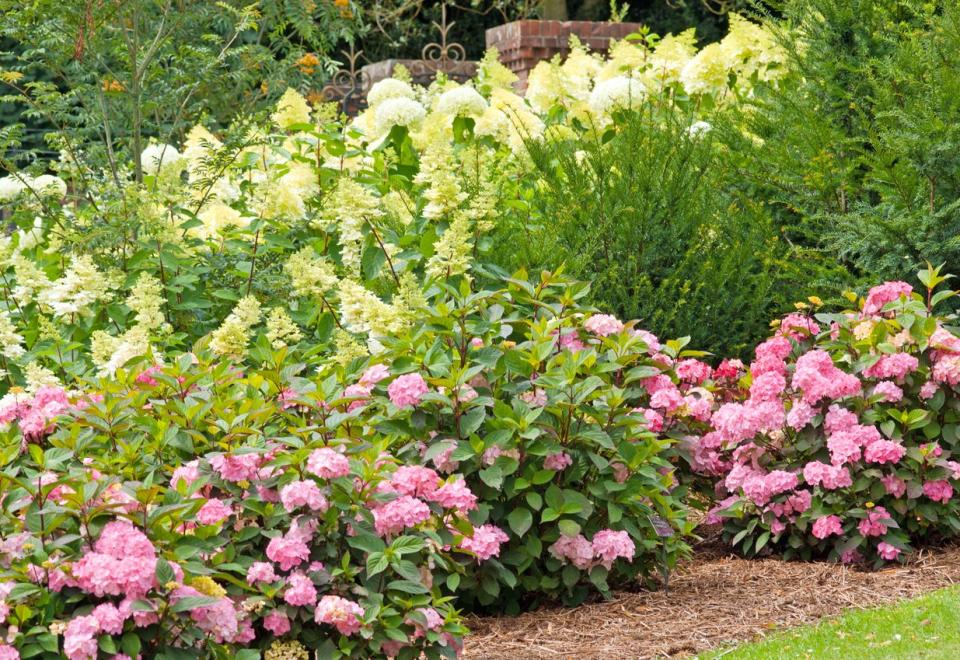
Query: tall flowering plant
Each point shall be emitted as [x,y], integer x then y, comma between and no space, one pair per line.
[551,414]
[841,440]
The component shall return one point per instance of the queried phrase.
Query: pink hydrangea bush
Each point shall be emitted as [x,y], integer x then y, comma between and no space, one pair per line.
[557,419]
[841,439]
[263,525]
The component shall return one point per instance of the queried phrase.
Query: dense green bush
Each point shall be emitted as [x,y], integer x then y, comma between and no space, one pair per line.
[641,210]
[541,407]
[856,151]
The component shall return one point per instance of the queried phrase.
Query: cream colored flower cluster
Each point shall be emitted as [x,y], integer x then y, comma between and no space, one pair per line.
[367,212]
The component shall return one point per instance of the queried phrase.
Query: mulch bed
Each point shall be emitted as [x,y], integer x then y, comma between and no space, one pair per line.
[713,600]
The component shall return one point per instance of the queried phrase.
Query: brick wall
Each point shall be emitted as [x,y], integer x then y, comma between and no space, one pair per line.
[524,43]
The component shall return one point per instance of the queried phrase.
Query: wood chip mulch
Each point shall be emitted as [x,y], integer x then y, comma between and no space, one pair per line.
[712,601]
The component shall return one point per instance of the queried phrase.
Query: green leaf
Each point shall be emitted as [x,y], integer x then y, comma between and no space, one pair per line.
[193,602]
[520,520]
[377,562]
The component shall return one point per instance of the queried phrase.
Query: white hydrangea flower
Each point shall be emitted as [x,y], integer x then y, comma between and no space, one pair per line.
[159,156]
[699,128]
[398,112]
[389,88]
[463,100]
[618,92]
[49,185]
[10,187]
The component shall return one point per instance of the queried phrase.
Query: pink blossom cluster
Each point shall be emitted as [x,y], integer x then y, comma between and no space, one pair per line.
[817,378]
[607,546]
[328,464]
[35,414]
[344,615]
[879,296]
[603,325]
[485,541]
[122,563]
[406,391]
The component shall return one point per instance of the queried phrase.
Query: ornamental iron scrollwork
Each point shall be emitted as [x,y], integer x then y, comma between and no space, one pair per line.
[348,85]
[443,56]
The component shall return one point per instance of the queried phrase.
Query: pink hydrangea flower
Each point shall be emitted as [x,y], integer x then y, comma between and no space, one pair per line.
[884,451]
[485,542]
[800,415]
[398,514]
[534,397]
[693,371]
[609,546]
[843,447]
[603,325]
[80,638]
[8,652]
[237,467]
[798,326]
[889,391]
[575,549]
[817,378]
[557,461]
[826,526]
[455,495]
[213,511]
[328,464]
[300,591]
[887,551]
[109,618]
[360,393]
[894,485]
[829,476]
[374,374]
[433,621]
[187,473]
[885,293]
[839,419]
[415,480]
[343,614]
[122,563]
[873,524]
[303,493]
[406,391]
[760,487]
[291,549]
[729,370]
[277,623]
[261,571]
[767,386]
[653,418]
[938,491]
[928,390]
[895,365]
[650,339]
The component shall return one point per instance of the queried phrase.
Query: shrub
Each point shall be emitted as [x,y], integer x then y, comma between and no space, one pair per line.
[274,532]
[854,156]
[840,441]
[543,406]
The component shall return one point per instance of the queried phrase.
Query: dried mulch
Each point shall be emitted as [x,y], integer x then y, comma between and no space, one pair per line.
[713,600]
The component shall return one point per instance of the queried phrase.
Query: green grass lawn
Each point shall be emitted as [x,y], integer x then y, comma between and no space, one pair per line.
[928,627]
